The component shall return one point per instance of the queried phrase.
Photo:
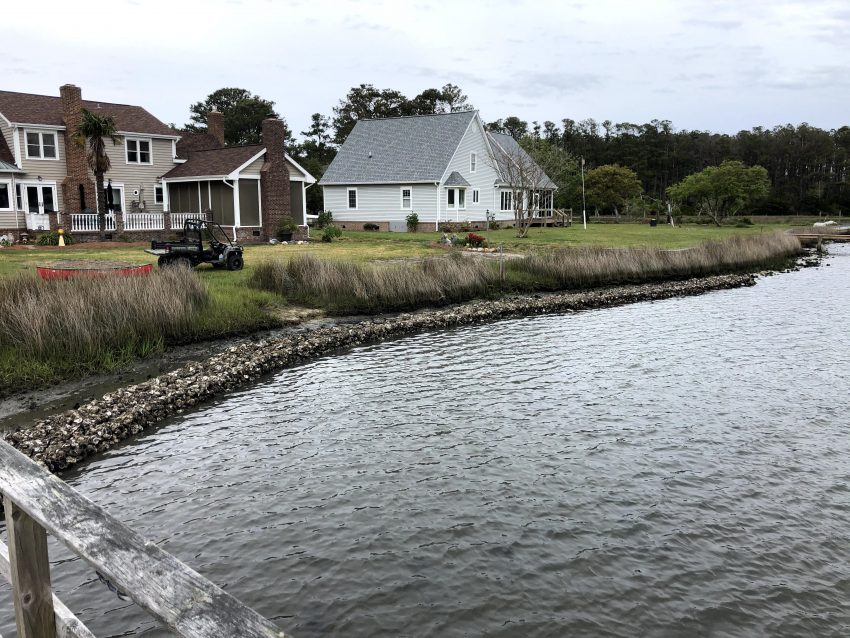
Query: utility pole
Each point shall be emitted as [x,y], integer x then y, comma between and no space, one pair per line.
[583,202]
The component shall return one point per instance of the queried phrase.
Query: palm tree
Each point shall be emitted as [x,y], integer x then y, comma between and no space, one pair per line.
[95,128]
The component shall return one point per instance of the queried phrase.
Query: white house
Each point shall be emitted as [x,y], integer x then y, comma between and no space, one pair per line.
[443,167]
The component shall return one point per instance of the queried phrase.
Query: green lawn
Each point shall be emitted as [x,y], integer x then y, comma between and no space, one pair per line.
[609,235]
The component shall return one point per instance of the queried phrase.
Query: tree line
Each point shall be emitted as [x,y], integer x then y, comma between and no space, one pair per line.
[806,167]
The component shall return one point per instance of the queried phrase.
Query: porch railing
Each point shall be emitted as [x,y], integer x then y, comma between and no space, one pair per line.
[144,221]
[37,503]
[87,223]
[179,219]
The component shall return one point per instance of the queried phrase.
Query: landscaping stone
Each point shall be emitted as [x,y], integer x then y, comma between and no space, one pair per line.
[62,440]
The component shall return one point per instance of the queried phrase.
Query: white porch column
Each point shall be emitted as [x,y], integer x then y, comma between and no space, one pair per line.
[237,216]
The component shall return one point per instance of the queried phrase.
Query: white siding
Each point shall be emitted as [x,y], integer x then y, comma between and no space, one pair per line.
[253,169]
[381,203]
[483,178]
[50,171]
[142,177]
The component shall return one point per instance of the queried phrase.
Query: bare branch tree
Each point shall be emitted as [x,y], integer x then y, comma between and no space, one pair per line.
[528,184]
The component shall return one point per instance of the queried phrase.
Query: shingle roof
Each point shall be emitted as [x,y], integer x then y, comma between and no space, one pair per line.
[190,142]
[456,179]
[214,163]
[398,150]
[27,108]
[506,147]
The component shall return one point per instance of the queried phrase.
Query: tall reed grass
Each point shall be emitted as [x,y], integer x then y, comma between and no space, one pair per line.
[348,287]
[354,287]
[575,268]
[88,323]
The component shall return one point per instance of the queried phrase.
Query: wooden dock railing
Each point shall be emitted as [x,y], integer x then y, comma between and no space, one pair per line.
[37,503]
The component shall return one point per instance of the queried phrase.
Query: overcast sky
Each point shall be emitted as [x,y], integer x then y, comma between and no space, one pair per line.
[722,66]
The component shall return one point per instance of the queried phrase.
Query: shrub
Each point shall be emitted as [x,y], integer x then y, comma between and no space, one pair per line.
[465,227]
[52,239]
[371,226]
[325,218]
[287,227]
[412,222]
[330,233]
[476,241]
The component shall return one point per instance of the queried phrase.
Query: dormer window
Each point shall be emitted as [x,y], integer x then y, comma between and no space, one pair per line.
[138,151]
[41,145]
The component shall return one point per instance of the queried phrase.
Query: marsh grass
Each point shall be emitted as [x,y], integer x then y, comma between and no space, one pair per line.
[588,267]
[349,287]
[85,324]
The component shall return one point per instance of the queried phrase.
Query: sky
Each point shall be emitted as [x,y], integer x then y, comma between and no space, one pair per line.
[709,65]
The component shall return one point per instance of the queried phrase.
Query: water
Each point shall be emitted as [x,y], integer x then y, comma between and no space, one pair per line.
[677,468]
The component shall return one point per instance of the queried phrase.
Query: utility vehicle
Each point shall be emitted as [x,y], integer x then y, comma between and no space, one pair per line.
[203,242]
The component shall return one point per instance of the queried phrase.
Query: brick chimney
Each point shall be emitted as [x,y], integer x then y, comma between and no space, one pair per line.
[274,177]
[77,187]
[215,126]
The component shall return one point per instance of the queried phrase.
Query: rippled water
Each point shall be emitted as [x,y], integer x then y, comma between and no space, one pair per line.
[677,468]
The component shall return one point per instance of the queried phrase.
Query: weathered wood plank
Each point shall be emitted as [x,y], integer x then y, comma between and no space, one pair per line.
[67,624]
[30,570]
[177,596]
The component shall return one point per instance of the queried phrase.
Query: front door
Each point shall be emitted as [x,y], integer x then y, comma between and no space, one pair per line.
[40,199]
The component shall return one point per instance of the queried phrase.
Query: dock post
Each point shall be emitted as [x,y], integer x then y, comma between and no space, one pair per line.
[30,569]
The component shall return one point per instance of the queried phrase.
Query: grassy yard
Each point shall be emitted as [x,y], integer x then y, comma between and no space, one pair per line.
[233,306]
[597,235]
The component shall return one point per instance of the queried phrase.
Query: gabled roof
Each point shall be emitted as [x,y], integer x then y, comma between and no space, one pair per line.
[456,179]
[28,108]
[398,149]
[505,148]
[215,162]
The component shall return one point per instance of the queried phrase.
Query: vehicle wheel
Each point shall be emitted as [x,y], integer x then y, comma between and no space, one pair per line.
[235,261]
[163,262]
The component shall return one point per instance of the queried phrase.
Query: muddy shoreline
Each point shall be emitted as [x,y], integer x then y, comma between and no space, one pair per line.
[62,440]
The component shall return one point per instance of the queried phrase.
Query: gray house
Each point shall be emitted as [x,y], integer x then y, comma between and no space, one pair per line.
[443,167]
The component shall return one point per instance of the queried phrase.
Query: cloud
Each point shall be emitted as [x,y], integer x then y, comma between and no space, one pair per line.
[713,23]
[823,77]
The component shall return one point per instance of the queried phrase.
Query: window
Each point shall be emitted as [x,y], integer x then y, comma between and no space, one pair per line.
[19,198]
[475,196]
[157,194]
[352,199]
[138,151]
[507,200]
[456,198]
[473,160]
[41,145]
[5,196]
[407,198]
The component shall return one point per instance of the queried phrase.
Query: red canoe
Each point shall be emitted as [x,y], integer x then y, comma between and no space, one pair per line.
[92,269]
